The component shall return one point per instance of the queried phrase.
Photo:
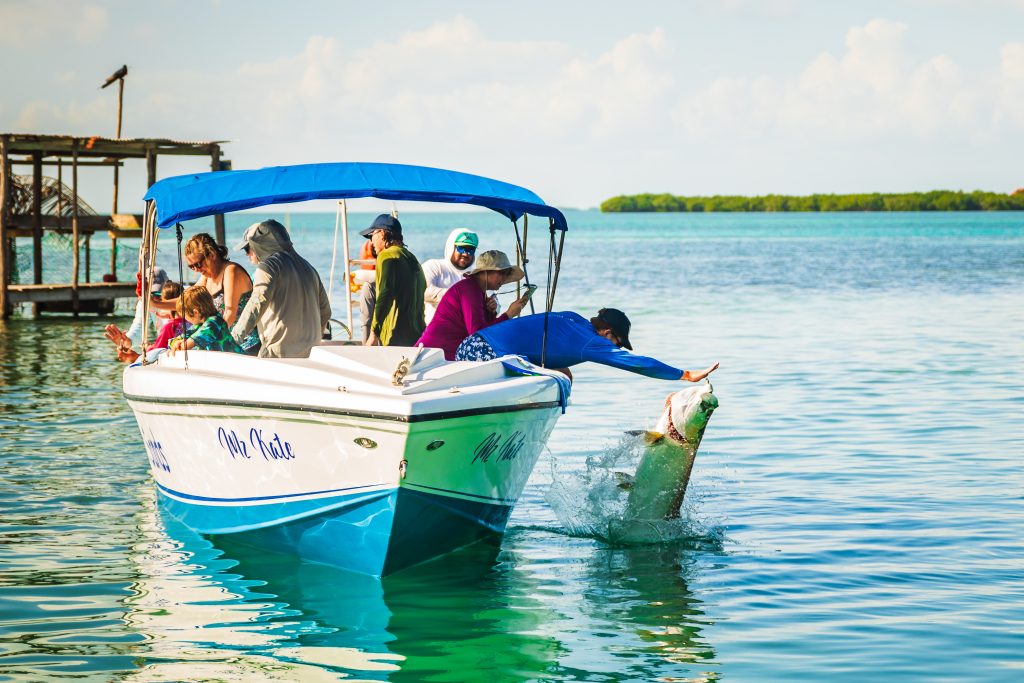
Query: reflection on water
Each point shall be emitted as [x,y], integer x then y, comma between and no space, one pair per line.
[857,506]
[225,611]
[205,617]
[646,590]
[97,581]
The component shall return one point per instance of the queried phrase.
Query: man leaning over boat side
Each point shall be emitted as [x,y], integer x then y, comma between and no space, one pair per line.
[571,339]
[441,273]
[398,310]
[289,305]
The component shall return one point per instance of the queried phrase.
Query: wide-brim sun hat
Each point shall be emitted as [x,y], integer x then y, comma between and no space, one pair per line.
[496,260]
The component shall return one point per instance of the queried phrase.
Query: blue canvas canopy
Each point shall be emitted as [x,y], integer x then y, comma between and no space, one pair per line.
[204,194]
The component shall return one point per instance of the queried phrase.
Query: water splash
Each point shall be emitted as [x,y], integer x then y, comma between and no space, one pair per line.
[591,501]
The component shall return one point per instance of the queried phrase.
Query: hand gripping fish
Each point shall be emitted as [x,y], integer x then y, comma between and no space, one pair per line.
[656,490]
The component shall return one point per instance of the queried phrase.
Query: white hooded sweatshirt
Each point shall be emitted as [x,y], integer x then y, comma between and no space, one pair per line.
[289,304]
[441,274]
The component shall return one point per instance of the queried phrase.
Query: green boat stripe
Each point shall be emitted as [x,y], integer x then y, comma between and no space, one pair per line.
[444,415]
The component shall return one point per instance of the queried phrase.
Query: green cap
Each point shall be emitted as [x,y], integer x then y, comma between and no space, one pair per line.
[466,239]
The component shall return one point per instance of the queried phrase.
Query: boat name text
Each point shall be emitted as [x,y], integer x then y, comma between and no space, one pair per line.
[157,459]
[493,444]
[260,442]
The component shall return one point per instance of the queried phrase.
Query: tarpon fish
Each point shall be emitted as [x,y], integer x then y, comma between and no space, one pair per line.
[656,490]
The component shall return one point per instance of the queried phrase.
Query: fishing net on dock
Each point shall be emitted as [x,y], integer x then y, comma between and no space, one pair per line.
[57,199]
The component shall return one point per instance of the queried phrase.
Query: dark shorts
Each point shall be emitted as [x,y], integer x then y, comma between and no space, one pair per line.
[474,347]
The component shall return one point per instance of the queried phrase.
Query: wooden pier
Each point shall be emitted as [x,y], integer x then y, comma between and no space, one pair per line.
[51,205]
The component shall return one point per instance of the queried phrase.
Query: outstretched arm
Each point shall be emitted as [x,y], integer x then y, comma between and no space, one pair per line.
[603,351]
[698,375]
[118,338]
[134,332]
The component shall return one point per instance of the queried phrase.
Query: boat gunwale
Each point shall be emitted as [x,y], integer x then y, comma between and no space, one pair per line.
[390,417]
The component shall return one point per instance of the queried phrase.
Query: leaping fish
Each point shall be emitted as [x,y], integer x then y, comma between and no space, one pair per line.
[656,490]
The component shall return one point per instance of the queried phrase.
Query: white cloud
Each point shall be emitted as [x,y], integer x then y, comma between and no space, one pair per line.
[34,22]
[76,118]
[874,88]
[578,124]
[1009,108]
[451,87]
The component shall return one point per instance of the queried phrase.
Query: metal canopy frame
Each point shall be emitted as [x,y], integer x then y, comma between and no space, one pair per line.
[513,209]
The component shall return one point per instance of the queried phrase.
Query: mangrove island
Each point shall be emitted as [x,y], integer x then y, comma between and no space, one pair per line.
[936,200]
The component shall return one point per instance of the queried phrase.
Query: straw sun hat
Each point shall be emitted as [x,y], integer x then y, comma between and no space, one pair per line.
[496,260]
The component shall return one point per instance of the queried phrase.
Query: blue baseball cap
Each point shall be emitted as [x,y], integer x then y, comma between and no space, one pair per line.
[619,323]
[385,221]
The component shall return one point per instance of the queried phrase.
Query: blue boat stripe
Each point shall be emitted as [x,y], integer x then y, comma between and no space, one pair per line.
[189,496]
[503,501]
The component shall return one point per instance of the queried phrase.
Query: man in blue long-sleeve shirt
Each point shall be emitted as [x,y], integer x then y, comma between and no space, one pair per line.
[572,339]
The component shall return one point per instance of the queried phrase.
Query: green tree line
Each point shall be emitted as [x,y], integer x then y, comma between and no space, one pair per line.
[936,200]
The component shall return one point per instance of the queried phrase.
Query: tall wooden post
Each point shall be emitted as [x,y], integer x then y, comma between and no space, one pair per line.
[120,105]
[37,224]
[5,261]
[88,256]
[37,218]
[60,193]
[150,167]
[113,257]
[74,226]
[218,220]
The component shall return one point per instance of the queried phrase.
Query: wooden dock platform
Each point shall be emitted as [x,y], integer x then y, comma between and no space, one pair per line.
[32,205]
[93,297]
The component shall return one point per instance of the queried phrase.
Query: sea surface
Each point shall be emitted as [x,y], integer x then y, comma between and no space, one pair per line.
[856,511]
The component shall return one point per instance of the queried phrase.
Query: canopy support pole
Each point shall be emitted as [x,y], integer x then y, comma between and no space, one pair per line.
[521,259]
[348,290]
[180,231]
[547,300]
[554,266]
[558,266]
[146,249]
[334,252]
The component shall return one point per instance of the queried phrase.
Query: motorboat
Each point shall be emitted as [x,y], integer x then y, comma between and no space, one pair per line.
[372,459]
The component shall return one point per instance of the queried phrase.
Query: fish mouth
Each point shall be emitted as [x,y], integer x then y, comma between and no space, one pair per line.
[674,435]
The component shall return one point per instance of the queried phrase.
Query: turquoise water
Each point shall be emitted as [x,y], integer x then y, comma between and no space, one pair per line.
[856,510]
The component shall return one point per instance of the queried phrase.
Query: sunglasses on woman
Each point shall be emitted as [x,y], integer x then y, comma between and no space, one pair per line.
[196,265]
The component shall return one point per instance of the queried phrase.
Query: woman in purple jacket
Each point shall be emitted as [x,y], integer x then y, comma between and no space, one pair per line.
[463,309]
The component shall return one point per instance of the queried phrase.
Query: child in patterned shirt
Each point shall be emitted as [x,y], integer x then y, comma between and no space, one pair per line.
[212,333]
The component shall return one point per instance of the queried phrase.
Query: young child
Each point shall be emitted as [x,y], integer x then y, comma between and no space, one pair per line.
[176,325]
[212,334]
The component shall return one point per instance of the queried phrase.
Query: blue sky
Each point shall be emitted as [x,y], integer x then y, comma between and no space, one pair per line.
[578,101]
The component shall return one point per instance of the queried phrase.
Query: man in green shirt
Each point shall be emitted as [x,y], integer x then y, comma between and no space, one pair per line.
[398,311]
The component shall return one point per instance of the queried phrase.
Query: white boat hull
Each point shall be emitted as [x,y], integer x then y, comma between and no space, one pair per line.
[327,458]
